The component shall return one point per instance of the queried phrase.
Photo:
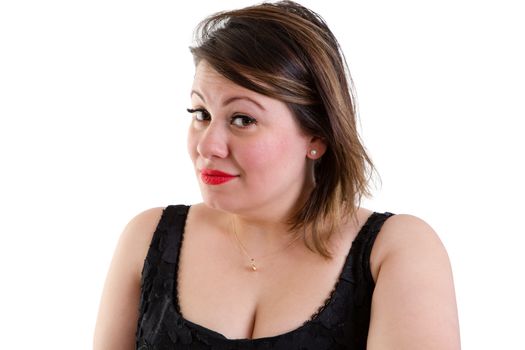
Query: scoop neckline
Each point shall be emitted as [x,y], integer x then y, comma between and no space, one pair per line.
[314,318]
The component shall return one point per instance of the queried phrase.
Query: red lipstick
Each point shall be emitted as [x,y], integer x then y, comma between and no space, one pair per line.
[215,177]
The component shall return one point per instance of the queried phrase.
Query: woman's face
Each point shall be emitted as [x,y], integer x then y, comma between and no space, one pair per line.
[249,154]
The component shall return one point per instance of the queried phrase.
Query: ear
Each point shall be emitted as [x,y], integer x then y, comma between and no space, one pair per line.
[316,148]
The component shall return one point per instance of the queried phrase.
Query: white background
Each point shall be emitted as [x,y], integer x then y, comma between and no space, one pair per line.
[93,127]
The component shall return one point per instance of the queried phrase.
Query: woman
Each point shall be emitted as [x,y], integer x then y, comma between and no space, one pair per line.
[279,255]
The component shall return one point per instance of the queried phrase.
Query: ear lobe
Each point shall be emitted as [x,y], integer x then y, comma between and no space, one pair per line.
[316,148]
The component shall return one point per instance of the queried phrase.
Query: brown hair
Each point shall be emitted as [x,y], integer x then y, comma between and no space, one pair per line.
[286,51]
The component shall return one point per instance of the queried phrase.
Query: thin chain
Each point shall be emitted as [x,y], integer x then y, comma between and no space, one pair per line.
[253,266]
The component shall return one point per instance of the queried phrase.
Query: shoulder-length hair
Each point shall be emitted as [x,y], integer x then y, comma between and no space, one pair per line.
[286,51]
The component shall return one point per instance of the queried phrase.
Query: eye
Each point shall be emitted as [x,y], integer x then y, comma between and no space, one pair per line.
[200,114]
[243,121]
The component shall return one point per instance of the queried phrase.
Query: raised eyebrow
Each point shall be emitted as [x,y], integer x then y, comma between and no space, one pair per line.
[198,94]
[235,98]
[231,99]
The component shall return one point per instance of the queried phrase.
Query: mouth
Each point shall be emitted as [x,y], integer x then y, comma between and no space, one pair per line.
[215,177]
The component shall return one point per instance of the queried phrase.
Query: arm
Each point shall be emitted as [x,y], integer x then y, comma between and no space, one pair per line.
[118,312]
[414,304]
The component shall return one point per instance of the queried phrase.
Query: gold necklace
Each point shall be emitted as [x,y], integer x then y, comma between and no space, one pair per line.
[253,266]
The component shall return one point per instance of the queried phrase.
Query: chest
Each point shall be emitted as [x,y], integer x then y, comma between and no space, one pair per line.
[219,291]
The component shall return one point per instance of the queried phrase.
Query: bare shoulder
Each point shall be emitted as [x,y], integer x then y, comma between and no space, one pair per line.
[117,317]
[147,218]
[414,304]
[405,235]
[142,226]
[144,222]
[137,234]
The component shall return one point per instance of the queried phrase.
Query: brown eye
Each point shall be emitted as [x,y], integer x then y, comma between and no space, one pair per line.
[199,114]
[243,121]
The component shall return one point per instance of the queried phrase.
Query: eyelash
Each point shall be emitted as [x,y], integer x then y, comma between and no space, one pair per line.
[206,114]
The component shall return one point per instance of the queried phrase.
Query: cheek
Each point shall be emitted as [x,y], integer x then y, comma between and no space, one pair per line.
[255,156]
[272,155]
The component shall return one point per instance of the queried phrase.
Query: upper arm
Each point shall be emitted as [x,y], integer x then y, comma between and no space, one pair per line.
[118,311]
[414,304]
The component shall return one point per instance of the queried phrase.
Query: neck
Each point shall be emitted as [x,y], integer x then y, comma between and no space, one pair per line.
[254,257]
[270,221]
[260,236]
[262,231]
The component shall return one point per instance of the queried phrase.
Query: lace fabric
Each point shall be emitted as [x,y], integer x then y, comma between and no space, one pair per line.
[340,323]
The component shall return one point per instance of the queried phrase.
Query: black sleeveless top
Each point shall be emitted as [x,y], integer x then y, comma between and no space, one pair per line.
[341,323]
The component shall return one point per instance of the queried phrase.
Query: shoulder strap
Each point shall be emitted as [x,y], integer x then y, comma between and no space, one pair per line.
[358,315]
[173,227]
[362,248]
[366,242]
[165,243]
[159,271]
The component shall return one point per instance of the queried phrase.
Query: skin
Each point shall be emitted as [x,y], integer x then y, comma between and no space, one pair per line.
[256,138]
[413,305]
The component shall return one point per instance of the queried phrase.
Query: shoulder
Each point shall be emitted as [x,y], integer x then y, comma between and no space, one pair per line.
[137,234]
[413,304]
[144,221]
[143,224]
[118,309]
[405,236]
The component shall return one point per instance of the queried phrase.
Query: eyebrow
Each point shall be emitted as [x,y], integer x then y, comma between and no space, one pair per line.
[231,99]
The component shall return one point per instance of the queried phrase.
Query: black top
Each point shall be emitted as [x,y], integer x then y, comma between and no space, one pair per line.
[341,323]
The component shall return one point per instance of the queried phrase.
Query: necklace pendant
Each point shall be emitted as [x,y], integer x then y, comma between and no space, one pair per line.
[252,265]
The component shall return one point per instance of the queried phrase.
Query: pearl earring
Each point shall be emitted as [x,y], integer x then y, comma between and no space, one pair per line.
[313,152]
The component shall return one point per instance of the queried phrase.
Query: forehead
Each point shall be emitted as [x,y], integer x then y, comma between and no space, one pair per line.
[206,74]
[211,85]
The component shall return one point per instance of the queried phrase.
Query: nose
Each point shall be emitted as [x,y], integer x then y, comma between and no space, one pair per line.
[213,142]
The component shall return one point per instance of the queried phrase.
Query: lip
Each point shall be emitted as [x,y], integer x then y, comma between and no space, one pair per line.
[215,177]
